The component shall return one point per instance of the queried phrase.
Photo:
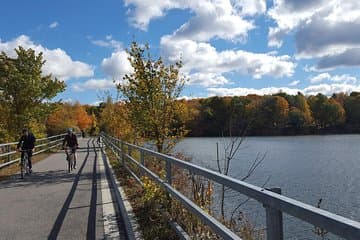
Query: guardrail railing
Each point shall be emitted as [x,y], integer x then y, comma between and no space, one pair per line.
[9,155]
[275,204]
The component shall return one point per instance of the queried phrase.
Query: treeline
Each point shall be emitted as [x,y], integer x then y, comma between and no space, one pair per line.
[150,111]
[278,114]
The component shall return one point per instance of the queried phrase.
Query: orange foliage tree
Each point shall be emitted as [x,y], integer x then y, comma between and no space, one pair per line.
[84,120]
[68,116]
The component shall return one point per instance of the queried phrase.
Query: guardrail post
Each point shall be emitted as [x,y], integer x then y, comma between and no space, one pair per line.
[274,221]
[168,172]
[142,161]
[122,153]
[129,150]
[8,150]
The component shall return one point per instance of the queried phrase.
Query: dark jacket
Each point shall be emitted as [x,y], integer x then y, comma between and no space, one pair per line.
[70,140]
[27,142]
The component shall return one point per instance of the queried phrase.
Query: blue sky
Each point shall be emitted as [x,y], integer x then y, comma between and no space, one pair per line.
[228,47]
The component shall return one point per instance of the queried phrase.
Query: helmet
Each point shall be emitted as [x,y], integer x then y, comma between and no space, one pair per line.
[69,131]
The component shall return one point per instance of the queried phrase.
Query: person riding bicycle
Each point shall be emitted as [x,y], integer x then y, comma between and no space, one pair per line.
[27,143]
[70,140]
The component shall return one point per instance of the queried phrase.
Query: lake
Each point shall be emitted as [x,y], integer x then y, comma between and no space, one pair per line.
[306,168]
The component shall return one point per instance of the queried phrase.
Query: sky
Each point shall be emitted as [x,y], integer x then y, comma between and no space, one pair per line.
[228,47]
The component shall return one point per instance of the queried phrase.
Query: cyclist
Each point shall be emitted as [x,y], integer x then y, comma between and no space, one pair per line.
[70,140]
[27,143]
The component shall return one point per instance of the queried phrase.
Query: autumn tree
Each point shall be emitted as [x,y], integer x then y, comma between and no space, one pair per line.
[114,119]
[352,107]
[25,90]
[150,93]
[61,119]
[83,119]
[326,112]
[300,112]
[272,112]
[68,116]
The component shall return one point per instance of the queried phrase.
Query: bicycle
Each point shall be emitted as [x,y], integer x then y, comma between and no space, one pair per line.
[24,164]
[70,158]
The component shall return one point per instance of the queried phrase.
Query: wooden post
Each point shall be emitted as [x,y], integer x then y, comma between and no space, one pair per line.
[274,221]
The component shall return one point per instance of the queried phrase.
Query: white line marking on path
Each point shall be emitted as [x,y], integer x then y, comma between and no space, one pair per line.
[111,229]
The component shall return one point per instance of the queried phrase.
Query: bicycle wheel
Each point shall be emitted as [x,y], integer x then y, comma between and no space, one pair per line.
[22,167]
[26,163]
[68,160]
[72,161]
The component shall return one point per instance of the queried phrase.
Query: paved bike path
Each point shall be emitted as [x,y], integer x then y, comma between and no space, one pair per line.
[52,203]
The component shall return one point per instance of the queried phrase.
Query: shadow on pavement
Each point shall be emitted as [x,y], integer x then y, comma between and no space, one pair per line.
[39,178]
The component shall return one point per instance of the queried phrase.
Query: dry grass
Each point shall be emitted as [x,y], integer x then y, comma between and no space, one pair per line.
[152,223]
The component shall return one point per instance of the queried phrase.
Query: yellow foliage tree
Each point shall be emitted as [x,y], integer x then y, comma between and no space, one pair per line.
[114,120]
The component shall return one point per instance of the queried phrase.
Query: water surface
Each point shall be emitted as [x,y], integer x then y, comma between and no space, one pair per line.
[306,168]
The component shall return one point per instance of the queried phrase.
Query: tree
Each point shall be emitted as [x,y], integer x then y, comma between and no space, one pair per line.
[68,116]
[61,119]
[84,120]
[326,112]
[273,112]
[150,93]
[114,119]
[25,90]
[300,113]
[352,107]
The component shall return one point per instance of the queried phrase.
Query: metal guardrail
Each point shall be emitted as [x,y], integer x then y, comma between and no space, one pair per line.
[275,204]
[9,155]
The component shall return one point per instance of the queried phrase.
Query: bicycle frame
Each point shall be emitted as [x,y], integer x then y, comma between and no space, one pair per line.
[70,157]
[24,164]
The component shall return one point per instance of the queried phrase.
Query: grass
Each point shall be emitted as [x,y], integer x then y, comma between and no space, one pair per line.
[153,224]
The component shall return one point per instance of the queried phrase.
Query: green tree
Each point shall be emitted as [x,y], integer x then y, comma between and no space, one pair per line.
[326,112]
[25,90]
[300,113]
[151,93]
[273,112]
[352,108]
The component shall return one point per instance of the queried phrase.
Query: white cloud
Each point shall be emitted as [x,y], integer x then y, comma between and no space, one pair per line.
[207,79]
[344,78]
[326,89]
[117,65]
[224,19]
[108,42]
[325,29]
[329,89]
[143,11]
[247,91]
[96,103]
[288,15]
[54,25]
[294,83]
[68,100]
[58,63]
[319,78]
[202,59]
[217,19]
[94,84]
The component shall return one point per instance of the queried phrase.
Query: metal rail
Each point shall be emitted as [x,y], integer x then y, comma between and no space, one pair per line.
[275,204]
[9,155]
